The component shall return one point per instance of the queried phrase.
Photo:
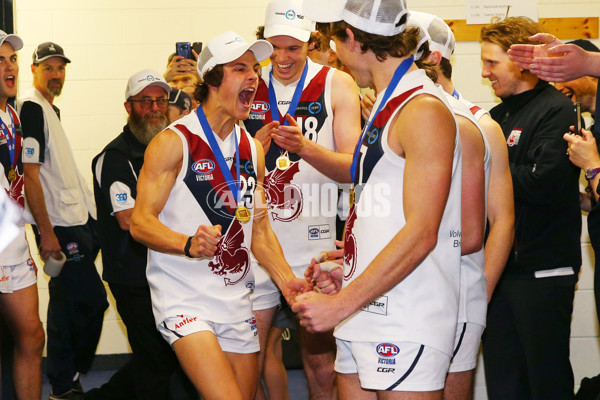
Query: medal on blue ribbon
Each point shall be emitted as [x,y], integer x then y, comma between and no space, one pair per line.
[398,74]
[242,213]
[283,161]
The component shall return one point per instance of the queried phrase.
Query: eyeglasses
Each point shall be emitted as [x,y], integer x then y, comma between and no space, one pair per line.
[146,104]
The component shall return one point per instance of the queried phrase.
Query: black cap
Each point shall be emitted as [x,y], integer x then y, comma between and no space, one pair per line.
[585,44]
[46,50]
[181,99]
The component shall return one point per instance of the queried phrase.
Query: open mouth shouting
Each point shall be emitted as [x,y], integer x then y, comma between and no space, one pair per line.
[10,81]
[246,96]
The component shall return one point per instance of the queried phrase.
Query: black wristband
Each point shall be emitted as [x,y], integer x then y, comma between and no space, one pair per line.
[186,249]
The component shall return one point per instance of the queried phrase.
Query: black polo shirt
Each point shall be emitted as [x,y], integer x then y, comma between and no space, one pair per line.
[116,170]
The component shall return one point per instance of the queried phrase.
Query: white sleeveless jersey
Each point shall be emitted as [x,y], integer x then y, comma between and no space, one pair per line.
[218,289]
[473,282]
[423,308]
[302,201]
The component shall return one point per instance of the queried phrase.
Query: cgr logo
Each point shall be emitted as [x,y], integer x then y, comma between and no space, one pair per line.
[387,350]
[260,107]
[386,370]
[204,166]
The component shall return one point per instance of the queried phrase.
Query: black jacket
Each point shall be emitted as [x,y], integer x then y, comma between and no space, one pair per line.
[545,183]
[123,259]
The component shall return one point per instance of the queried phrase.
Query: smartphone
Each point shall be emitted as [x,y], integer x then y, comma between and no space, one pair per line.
[197,47]
[184,49]
[578,116]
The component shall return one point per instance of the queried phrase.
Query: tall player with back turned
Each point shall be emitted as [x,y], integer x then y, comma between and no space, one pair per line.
[307,118]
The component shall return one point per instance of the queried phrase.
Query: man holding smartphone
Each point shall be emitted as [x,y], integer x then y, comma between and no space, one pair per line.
[181,66]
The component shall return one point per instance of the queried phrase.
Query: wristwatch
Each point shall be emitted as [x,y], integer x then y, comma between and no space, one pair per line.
[591,173]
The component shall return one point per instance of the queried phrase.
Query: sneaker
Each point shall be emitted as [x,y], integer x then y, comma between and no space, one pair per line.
[70,395]
[77,386]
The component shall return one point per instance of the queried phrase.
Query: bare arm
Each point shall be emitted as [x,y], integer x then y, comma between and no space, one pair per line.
[49,245]
[424,127]
[162,162]
[346,130]
[501,209]
[473,186]
[583,152]
[265,246]
[124,218]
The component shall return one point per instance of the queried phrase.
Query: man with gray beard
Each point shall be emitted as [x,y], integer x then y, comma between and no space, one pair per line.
[64,212]
[115,172]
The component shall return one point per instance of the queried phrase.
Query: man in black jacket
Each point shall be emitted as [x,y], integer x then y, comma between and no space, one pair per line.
[115,172]
[526,344]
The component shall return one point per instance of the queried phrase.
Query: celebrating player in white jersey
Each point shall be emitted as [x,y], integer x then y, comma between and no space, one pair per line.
[200,209]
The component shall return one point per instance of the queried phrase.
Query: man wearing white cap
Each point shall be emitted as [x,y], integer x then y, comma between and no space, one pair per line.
[307,118]
[64,213]
[18,289]
[200,210]
[396,313]
[480,269]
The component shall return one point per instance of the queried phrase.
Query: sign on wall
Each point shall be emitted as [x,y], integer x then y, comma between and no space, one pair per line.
[482,11]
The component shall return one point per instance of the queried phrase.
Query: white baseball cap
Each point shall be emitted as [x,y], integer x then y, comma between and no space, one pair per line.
[15,41]
[285,18]
[141,80]
[379,17]
[423,35]
[230,46]
[441,37]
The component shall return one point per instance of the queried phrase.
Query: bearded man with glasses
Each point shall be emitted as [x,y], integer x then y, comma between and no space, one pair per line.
[116,170]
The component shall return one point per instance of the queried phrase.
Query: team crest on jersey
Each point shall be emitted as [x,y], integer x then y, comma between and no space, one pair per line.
[513,138]
[232,258]
[16,192]
[284,199]
[350,250]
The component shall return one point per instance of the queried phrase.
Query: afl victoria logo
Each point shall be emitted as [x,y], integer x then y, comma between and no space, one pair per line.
[204,166]
[387,350]
[260,107]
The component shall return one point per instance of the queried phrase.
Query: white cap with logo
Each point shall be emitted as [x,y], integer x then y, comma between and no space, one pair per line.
[285,18]
[141,80]
[379,17]
[15,41]
[440,35]
[230,46]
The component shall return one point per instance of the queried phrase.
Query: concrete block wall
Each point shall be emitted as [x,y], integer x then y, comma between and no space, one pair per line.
[109,40]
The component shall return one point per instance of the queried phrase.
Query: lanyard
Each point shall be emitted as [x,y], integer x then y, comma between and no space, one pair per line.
[398,74]
[10,141]
[456,95]
[295,98]
[212,142]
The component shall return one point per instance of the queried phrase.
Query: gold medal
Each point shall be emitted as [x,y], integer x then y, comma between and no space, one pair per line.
[12,174]
[351,197]
[242,214]
[283,162]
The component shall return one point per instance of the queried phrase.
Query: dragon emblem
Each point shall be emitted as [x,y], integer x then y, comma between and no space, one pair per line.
[231,256]
[16,189]
[350,246]
[284,199]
